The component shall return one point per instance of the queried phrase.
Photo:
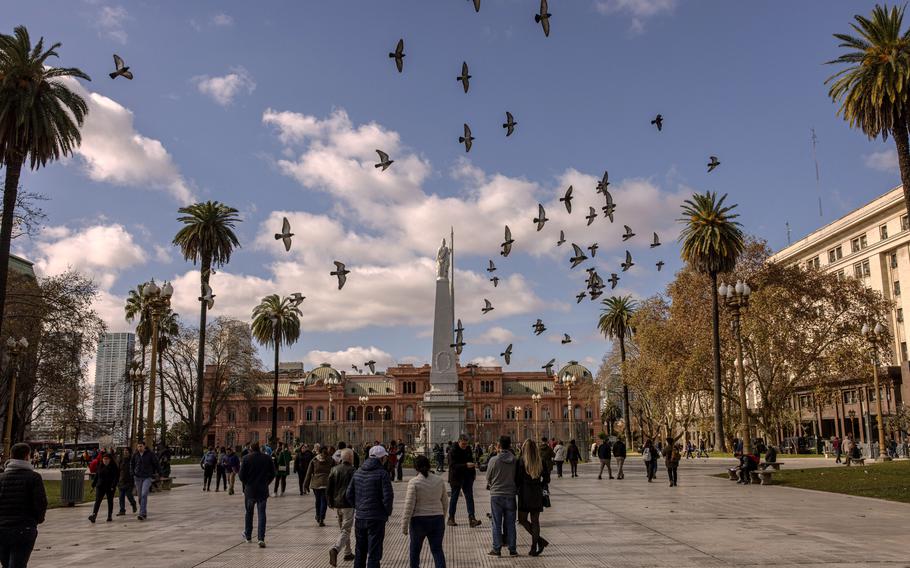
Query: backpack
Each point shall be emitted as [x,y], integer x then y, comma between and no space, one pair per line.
[647,454]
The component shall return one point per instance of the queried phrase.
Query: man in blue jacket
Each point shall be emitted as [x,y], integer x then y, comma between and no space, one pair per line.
[256,473]
[145,470]
[370,492]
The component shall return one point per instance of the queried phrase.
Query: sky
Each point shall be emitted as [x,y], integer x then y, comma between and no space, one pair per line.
[276,108]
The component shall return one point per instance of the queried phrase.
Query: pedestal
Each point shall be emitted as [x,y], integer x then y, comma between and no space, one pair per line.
[443,414]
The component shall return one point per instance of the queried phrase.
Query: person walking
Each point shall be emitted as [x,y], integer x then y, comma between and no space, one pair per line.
[208,463]
[231,464]
[605,455]
[283,460]
[546,458]
[672,456]
[301,464]
[649,455]
[462,473]
[835,445]
[145,471]
[424,513]
[371,494]
[501,483]
[619,452]
[530,480]
[399,456]
[336,490]
[220,471]
[559,457]
[107,476]
[125,482]
[440,454]
[256,473]
[23,504]
[317,479]
[573,454]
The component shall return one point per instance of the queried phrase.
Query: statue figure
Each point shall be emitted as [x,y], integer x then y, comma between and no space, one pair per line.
[442,262]
[422,436]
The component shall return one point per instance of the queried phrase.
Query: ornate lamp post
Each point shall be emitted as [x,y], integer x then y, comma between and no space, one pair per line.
[332,382]
[363,418]
[517,410]
[535,398]
[382,412]
[15,349]
[736,298]
[158,300]
[136,378]
[569,381]
[874,336]
[852,415]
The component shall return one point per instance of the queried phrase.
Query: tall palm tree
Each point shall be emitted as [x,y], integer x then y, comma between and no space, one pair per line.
[276,321]
[208,238]
[39,122]
[136,309]
[616,324]
[873,89]
[168,328]
[711,243]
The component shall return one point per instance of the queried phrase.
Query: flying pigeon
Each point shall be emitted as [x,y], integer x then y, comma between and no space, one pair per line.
[459,328]
[459,343]
[596,294]
[713,163]
[613,280]
[507,243]
[121,70]
[580,297]
[476,9]
[285,234]
[610,207]
[341,273]
[467,139]
[495,281]
[549,367]
[384,161]
[539,327]
[465,78]
[603,183]
[628,234]
[660,264]
[562,238]
[492,267]
[297,298]
[566,339]
[507,354]
[592,214]
[207,296]
[509,124]
[567,199]
[579,256]
[593,249]
[372,365]
[398,55]
[357,370]
[543,18]
[655,242]
[628,263]
[541,218]
[658,122]
[487,306]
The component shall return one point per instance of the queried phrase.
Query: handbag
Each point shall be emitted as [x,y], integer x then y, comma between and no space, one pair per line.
[546,498]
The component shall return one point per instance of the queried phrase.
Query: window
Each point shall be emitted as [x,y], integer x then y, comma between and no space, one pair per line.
[850,397]
[893,260]
[487,413]
[905,223]
[840,274]
[232,416]
[529,414]
[861,269]
[897,288]
[409,414]
[290,414]
[320,414]
[858,243]
[510,414]
[835,254]
[486,386]
[352,413]
[308,413]
[470,414]
[883,232]
[460,386]
[813,263]
[900,314]
[903,350]
[254,436]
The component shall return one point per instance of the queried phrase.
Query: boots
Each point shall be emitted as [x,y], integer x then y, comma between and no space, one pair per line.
[474,522]
[452,522]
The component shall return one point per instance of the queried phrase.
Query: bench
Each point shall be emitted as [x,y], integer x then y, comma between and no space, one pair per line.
[860,461]
[734,475]
[773,465]
[763,477]
[163,484]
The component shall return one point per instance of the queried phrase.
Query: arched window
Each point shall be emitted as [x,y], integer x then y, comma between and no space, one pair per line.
[589,414]
[282,414]
[565,412]
[488,413]
[320,414]
[510,414]
[546,412]
[388,413]
[290,414]
[231,416]
[577,412]
[263,414]
[254,436]
[352,413]
[409,414]
[254,414]
[529,414]
[370,413]
[470,414]
[332,412]
[308,414]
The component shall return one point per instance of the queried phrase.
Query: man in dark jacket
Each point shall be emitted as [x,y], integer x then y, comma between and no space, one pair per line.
[257,471]
[605,455]
[619,452]
[301,464]
[145,470]
[370,492]
[339,479]
[546,456]
[23,504]
[126,483]
[462,472]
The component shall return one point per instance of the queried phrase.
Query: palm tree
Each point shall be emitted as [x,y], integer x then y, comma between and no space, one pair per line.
[276,321]
[207,237]
[168,328]
[873,89]
[616,323]
[711,243]
[39,122]
[136,309]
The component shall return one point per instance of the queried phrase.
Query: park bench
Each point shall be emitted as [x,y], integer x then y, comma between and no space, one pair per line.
[848,461]
[762,476]
[163,484]
[773,465]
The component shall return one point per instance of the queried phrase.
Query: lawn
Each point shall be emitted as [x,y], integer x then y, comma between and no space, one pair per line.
[889,481]
[52,488]
[780,457]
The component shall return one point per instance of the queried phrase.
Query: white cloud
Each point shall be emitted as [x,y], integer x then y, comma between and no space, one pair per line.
[223,89]
[342,360]
[495,334]
[488,361]
[638,10]
[110,20]
[101,251]
[883,161]
[113,151]
[222,20]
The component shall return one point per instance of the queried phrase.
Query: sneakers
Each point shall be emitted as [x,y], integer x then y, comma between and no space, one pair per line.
[494,552]
[333,556]
[121,513]
[91,518]
[245,537]
[348,557]
[452,522]
[261,544]
[110,520]
[474,523]
[141,517]
[513,553]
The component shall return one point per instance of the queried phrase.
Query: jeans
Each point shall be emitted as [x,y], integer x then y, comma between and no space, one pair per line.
[672,473]
[468,490]
[207,471]
[16,546]
[143,486]
[619,463]
[99,497]
[259,505]
[300,478]
[321,504]
[281,480]
[399,468]
[220,476]
[503,509]
[370,534]
[558,468]
[127,493]
[345,522]
[432,528]
[574,464]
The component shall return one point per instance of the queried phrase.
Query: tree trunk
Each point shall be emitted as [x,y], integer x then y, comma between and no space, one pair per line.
[141,423]
[197,429]
[627,416]
[10,189]
[718,394]
[161,388]
[903,157]
[274,436]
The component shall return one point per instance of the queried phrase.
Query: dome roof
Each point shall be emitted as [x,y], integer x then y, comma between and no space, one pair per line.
[573,368]
[322,374]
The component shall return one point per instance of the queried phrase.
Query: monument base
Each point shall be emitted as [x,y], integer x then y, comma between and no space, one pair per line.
[443,415]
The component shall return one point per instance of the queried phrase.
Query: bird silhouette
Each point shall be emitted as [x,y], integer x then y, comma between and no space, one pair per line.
[509,124]
[539,327]
[120,70]
[285,234]
[372,366]
[592,214]
[658,122]
[595,294]
[628,263]
[660,264]
[467,139]
[543,18]
[613,280]
[713,163]
[459,342]
[465,77]
[541,218]
[492,267]
[549,367]
[207,296]
[297,298]
[495,281]
[604,183]
[593,249]
[628,234]
[477,5]
[567,199]
[341,273]
[384,161]
[507,243]
[655,241]
[562,238]
[578,257]
[507,354]
[487,306]
[398,55]
[610,206]
[356,369]
[459,328]
[566,339]
[579,297]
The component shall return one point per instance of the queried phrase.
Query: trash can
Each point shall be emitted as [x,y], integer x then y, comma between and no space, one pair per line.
[72,486]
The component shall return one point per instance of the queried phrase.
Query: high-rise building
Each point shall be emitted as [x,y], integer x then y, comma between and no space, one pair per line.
[113,403]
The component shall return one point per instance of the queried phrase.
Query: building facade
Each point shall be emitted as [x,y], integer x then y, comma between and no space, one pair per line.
[113,401]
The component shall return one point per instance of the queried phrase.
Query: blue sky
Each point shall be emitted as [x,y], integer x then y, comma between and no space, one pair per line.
[275,108]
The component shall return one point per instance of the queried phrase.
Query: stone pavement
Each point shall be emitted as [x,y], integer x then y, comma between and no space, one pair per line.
[706,521]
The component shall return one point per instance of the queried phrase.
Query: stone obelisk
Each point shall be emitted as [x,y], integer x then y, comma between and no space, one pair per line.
[443,405]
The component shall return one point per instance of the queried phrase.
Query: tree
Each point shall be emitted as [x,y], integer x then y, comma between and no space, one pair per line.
[168,328]
[711,242]
[873,89]
[207,237]
[137,309]
[39,122]
[27,214]
[615,323]
[276,321]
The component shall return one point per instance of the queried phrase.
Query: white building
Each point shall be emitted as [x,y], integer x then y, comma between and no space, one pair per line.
[113,400]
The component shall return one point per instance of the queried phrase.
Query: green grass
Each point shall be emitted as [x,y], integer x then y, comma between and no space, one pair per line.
[52,488]
[780,457]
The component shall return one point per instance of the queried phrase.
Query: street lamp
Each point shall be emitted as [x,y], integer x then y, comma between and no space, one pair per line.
[158,300]
[136,379]
[874,336]
[382,412]
[736,298]
[569,381]
[535,398]
[15,349]
[517,410]
[363,418]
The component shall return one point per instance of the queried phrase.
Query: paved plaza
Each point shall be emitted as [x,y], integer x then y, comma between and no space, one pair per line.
[706,521]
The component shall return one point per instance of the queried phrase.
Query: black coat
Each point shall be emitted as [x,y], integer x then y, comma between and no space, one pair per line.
[126,473]
[23,501]
[619,449]
[339,479]
[572,453]
[459,472]
[302,462]
[530,490]
[106,478]
[257,471]
[145,464]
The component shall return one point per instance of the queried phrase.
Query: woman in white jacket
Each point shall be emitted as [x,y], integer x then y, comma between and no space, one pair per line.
[424,513]
[559,457]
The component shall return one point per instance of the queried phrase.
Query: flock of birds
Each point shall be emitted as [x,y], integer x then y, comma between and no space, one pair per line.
[594,284]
